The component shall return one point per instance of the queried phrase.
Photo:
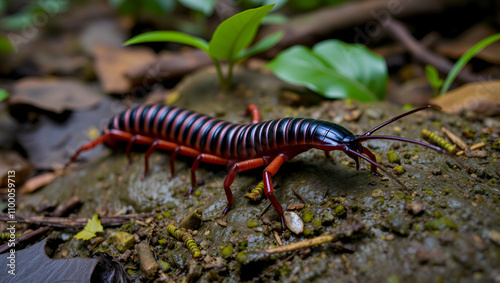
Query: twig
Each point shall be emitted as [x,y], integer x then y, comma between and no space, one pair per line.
[303,244]
[274,266]
[40,231]
[477,146]
[325,193]
[307,28]
[443,65]
[347,267]
[278,239]
[454,138]
[69,206]
[264,211]
[301,198]
[63,222]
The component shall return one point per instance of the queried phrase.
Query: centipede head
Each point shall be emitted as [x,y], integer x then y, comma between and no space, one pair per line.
[355,150]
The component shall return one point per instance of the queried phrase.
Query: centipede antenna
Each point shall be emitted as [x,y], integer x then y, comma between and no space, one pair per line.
[437,148]
[377,165]
[397,118]
[431,146]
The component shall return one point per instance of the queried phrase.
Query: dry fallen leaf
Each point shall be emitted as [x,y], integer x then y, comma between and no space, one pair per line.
[459,46]
[54,95]
[13,161]
[481,97]
[37,182]
[111,65]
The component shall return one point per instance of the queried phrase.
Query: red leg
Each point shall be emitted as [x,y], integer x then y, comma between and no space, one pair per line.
[150,150]
[88,146]
[329,157]
[239,167]
[166,145]
[113,134]
[372,157]
[207,158]
[270,171]
[129,148]
[172,162]
[254,110]
[355,159]
[184,151]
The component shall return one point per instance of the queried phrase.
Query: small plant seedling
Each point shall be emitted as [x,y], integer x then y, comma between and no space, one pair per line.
[334,69]
[89,231]
[3,94]
[432,74]
[229,41]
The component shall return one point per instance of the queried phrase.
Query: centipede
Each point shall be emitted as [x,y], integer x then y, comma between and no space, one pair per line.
[240,147]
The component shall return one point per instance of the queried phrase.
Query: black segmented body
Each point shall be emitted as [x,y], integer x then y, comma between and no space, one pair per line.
[220,138]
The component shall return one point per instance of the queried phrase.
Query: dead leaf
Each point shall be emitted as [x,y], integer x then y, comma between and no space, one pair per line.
[13,161]
[54,95]
[37,182]
[111,65]
[481,97]
[459,46]
[170,65]
[52,143]
[33,265]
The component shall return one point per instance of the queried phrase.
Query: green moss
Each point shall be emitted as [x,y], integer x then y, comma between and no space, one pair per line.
[308,216]
[328,217]
[340,210]
[398,170]
[393,279]
[227,251]
[317,224]
[123,241]
[242,257]
[393,157]
[408,154]
[163,265]
[162,242]
[253,223]
[198,193]
[399,196]
[442,223]
[308,232]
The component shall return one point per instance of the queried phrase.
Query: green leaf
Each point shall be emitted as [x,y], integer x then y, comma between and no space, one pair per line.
[236,33]
[169,36]
[84,235]
[432,75]
[334,69]
[275,19]
[465,58]
[3,94]
[204,6]
[262,45]
[17,21]
[299,65]
[89,231]
[357,62]
[158,7]
[5,46]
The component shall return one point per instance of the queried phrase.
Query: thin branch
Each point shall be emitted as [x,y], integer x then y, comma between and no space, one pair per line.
[443,65]
[63,222]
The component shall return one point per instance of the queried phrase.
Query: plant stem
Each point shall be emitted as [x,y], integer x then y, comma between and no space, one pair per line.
[223,82]
[230,74]
[462,61]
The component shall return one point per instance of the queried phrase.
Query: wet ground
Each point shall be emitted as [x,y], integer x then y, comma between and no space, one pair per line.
[443,227]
